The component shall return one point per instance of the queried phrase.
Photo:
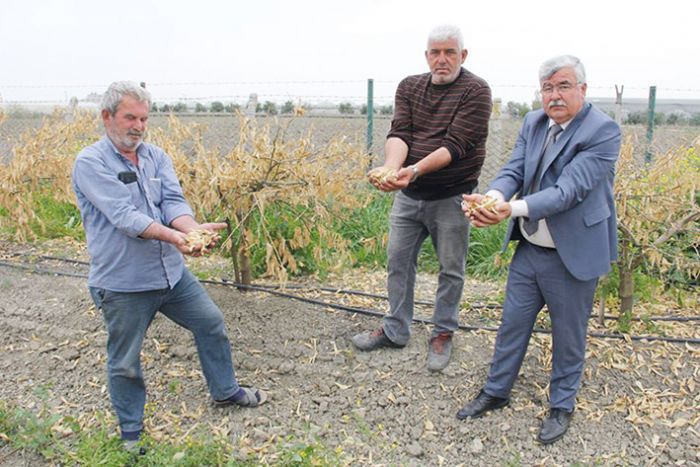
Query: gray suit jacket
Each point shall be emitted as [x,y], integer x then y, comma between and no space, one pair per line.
[576,189]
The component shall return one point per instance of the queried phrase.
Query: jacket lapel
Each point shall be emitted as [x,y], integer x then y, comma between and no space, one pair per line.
[564,137]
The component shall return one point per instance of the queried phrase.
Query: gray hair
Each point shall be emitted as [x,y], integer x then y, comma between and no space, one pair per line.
[555,64]
[445,32]
[116,92]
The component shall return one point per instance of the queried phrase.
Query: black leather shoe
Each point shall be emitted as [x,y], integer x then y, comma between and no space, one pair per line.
[554,426]
[482,404]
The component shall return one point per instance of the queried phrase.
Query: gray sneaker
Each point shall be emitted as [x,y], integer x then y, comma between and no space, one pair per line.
[133,446]
[372,340]
[439,351]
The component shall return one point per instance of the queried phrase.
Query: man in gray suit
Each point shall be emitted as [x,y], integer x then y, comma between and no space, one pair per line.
[562,168]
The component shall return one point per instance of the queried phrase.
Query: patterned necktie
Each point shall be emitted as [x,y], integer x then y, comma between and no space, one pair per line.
[531,226]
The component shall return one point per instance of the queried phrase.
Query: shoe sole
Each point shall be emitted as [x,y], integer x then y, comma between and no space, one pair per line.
[499,406]
[550,441]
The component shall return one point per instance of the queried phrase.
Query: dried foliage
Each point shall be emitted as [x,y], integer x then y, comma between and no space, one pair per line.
[264,170]
[41,166]
[658,210]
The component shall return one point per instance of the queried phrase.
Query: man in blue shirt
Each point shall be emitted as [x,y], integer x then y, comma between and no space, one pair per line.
[136,220]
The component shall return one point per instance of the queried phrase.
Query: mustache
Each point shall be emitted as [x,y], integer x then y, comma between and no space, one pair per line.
[135,133]
[558,102]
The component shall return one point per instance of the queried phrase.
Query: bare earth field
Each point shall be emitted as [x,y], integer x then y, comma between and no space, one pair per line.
[638,404]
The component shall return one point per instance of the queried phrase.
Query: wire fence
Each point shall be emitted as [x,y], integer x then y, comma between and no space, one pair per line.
[326,109]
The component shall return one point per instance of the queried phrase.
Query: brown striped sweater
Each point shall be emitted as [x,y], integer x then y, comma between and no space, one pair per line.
[454,116]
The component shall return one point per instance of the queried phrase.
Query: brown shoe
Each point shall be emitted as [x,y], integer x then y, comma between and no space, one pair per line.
[373,340]
[439,351]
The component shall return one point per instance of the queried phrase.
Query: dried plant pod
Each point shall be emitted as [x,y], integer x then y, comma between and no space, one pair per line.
[199,240]
[488,203]
[382,175]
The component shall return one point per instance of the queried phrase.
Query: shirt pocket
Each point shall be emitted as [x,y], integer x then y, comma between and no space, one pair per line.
[136,196]
[595,215]
[155,187]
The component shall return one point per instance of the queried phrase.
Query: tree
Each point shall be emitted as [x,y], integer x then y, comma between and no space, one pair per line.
[636,118]
[676,118]
[659,118]
[657,209]
[232,108]
[516,109]
[287,108]
[386,109]
[180,107]
[270,108]
[216,106]
[165,108]
[346,108]
[279,194]
[199,107]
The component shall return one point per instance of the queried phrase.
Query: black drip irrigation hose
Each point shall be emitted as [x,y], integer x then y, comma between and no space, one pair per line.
[472,306]
[475,306]
[363,311]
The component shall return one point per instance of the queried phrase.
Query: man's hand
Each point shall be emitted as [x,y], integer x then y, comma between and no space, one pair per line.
[202,238]
[484,211]
[389,179]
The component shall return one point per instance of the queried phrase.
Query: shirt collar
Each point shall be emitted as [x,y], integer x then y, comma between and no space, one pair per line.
[562,125]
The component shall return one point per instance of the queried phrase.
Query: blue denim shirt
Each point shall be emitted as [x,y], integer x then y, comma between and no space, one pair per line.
[116,209]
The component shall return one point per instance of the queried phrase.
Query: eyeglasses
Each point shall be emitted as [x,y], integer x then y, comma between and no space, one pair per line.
[561,88]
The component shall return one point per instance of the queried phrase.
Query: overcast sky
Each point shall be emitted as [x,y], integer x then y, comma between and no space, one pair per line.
[326,50]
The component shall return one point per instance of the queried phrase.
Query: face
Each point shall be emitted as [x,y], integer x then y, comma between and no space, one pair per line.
[127,127]
[562,95]
[444,59]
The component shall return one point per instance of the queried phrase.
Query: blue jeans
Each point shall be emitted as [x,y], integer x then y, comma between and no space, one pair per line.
[411,222]
[128,316]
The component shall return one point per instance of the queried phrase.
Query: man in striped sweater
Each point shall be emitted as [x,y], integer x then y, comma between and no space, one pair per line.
[436,145]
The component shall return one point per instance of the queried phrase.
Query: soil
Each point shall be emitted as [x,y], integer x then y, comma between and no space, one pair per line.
[638,404]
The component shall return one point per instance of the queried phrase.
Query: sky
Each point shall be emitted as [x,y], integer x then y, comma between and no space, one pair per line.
[323,50]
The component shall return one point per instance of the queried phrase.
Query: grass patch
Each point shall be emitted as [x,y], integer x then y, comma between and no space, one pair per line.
[49,219]
[62,441]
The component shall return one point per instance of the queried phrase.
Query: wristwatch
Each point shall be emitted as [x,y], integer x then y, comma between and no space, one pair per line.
[415,175]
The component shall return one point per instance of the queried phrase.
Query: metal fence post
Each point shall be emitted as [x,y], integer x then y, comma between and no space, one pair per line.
[618,104]
[370,114]
[650,121]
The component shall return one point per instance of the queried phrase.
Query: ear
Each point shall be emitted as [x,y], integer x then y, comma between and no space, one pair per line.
[105,115]
[584,86]
[465,52]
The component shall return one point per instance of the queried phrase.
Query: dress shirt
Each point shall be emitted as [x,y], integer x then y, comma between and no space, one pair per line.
[116,209]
